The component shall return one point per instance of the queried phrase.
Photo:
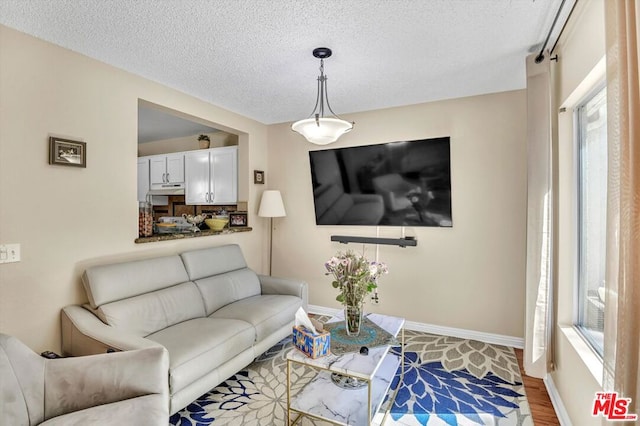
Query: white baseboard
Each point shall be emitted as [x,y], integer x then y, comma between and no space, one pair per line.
[497,339]
[556,401]
[321,310]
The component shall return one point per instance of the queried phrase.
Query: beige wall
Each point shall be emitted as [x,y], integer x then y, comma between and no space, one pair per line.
[580,49]
[470,276]
[69,218]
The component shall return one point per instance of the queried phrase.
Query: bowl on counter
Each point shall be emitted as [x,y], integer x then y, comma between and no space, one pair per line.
[194,220]
[217,223]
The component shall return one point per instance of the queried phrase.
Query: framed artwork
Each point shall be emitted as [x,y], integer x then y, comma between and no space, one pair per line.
[237,219]
[66,152]
[258,177]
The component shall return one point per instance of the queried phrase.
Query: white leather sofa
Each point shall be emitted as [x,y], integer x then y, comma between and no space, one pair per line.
[211,312]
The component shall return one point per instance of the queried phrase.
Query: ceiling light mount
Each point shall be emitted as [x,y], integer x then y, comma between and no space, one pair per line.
[319,129]
[322,52]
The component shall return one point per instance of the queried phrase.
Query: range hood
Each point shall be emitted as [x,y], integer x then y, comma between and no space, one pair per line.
[167,189]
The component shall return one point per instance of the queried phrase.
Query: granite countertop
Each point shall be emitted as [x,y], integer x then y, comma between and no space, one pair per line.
[179,236]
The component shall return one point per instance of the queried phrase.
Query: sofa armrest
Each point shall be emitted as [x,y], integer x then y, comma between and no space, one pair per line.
[73,384]
[274,285]
[83,333]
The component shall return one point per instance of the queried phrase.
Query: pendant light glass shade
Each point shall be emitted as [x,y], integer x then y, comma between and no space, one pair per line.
[319,129]
[323,131]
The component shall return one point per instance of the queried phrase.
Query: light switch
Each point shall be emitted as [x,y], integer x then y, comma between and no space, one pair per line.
[9,253]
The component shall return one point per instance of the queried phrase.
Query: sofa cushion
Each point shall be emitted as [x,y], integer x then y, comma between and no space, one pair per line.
[220,290]
[213,261]
[267,313]
[200,345]
[108,283]
[148,313]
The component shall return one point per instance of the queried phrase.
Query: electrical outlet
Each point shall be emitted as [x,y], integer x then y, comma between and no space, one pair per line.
[9,253]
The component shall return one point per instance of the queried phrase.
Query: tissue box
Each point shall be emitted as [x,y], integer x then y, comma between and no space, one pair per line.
[314,345]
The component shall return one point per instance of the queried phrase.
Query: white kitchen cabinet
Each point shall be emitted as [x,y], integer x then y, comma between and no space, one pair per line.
[211,176]
[143,178]
[167,168]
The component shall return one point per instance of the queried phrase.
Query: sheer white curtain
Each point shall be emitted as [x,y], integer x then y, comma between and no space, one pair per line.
[539,290]
[622,300]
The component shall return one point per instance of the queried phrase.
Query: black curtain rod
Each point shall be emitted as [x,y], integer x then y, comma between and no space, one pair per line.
[563,27]
[540,56]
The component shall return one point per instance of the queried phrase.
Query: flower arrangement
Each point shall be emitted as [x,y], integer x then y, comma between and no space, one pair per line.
[354,276]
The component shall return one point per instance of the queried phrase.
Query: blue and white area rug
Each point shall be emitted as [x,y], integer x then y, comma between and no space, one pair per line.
[447,381]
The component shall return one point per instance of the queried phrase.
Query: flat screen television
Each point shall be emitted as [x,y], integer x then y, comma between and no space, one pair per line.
[405,183]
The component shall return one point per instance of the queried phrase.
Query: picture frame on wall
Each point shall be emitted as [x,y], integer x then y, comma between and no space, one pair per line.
[258,177]
[238,219]
[67,152]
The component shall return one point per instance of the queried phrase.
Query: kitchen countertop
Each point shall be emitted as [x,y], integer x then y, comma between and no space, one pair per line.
[179,236]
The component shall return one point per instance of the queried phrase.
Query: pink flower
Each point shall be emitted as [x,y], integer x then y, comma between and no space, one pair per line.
[354,276]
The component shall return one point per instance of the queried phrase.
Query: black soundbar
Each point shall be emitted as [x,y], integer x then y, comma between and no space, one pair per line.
[402,242]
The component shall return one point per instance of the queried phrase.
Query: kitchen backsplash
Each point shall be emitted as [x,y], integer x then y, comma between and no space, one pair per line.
[177,207]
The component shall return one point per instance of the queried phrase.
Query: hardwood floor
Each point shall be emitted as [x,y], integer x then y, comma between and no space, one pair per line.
[541,407]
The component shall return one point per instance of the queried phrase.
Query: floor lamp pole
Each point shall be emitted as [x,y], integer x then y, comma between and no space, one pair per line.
[270,244]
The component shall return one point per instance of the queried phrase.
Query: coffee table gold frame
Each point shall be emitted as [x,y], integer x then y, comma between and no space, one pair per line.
[371,415]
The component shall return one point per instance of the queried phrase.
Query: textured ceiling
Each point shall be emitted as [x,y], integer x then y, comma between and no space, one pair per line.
[254,56]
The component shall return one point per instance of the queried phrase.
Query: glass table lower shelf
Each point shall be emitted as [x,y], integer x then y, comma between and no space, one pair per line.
[321,398]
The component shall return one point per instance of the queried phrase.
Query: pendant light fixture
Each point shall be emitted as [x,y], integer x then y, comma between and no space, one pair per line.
[319,129]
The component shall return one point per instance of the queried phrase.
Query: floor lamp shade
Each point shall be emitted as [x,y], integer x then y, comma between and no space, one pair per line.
[271,204]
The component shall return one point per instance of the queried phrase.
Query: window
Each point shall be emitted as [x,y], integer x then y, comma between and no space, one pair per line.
[592,215]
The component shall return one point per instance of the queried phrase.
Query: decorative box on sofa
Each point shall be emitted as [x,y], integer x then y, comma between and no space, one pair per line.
[211,312]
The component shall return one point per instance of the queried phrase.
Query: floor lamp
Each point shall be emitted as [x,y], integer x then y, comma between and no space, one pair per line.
[271,206]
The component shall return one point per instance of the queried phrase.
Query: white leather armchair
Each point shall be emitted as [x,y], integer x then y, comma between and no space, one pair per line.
[123,388]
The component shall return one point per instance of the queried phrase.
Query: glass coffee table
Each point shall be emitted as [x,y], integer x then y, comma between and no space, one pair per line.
[323,399]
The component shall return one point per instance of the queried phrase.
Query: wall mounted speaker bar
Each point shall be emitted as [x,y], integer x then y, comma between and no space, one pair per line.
[402,242]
